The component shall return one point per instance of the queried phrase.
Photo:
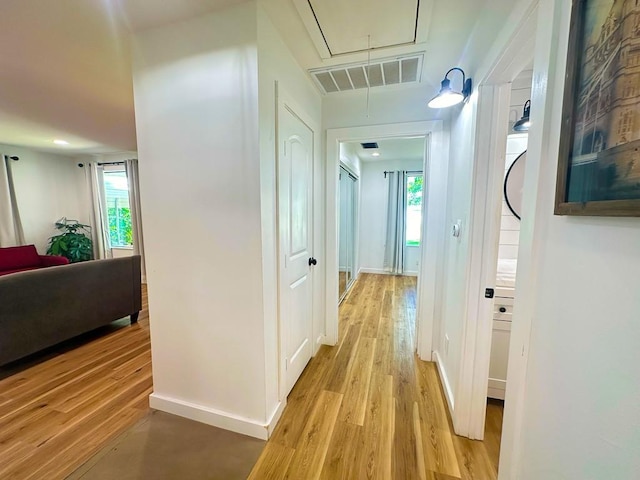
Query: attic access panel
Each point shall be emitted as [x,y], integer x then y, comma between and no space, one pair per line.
[346,25]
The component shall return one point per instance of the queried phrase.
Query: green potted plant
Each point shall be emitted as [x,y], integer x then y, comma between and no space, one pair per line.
[73,242]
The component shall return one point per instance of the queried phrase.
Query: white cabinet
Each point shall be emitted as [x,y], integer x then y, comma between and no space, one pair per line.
[503,308]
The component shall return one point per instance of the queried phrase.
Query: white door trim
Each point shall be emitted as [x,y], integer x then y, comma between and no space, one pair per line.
[535,28]
[491,140]
[432,228]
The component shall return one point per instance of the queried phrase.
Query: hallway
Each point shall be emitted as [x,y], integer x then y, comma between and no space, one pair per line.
[368,408]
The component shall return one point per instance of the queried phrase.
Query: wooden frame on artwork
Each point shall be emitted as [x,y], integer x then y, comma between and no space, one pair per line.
[599,157]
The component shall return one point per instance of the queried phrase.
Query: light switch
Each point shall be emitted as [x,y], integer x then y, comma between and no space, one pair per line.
[456,229]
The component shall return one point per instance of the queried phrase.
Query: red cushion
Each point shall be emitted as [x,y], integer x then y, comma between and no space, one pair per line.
[53,260]
[6,272]
[16,258]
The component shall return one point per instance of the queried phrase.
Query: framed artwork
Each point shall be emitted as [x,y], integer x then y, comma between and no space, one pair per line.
[599,164]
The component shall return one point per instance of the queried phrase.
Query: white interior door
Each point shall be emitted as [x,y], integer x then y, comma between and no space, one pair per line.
[295,201]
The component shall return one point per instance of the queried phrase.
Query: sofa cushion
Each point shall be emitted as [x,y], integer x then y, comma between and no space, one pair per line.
[16,258]
[25,269]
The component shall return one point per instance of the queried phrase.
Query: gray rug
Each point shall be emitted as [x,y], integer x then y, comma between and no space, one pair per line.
[167,447]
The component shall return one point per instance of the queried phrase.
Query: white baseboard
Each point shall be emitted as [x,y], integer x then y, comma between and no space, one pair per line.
[275,417]
[382,271]
[496,388]
[448,393]
[217,418]
[379,271]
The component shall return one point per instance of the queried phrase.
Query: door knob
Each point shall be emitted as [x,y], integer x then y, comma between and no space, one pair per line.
[312,261]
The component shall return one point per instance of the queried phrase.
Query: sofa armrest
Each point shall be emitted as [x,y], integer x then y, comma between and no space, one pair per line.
[53,260]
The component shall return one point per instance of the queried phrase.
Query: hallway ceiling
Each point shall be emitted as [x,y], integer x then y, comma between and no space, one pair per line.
[357,25]
[66,70]
[408,148]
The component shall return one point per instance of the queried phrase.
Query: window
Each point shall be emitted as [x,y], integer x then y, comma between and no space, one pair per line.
[625,126]
[414,210]
[116,188]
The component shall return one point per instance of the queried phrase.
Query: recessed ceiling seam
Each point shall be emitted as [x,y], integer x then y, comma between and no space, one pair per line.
[319,27]
[324,38]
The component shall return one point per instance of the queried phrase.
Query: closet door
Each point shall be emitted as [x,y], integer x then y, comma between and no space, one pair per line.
[347,231]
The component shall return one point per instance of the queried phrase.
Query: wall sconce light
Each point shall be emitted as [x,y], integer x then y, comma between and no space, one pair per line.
[447,97]
[524,123]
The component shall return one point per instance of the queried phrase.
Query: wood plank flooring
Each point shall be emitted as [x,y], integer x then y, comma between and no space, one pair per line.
[58,412]
[368,408]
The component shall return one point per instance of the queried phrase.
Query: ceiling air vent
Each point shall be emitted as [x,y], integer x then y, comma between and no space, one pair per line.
[388,71]
[368,145]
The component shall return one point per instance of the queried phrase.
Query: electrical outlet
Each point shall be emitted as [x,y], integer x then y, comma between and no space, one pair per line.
[446,344]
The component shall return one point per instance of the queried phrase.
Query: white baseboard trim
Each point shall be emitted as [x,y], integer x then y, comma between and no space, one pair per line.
[379,271]
[217,418]
[448,393]
[275,417]
[382,271]
[496,388]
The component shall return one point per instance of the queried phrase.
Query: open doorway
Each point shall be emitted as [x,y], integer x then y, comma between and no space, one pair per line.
[381,233]
[510,214]
[414,256]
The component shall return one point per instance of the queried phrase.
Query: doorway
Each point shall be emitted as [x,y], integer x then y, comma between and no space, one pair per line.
[432,218]
[509,214]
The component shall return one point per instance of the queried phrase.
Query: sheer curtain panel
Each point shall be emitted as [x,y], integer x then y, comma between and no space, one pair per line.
[131,167]
[396,215]
[99,226]
[11,233]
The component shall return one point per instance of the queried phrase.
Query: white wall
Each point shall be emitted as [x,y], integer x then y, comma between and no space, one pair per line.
[448,345]
[349,157]
[373,214]
[386,105]
[276,65]
[509,223]
[48,187]
[196,100]
[581,404]
[205,110]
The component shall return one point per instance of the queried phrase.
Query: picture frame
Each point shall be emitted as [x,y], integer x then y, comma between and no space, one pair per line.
[599,156]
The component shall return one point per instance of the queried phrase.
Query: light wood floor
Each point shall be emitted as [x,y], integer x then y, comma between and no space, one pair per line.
[368,408]
[55,414]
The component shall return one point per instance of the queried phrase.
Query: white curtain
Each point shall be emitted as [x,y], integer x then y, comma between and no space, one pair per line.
[133,176]
[396,215]
[11,233]
[99,224]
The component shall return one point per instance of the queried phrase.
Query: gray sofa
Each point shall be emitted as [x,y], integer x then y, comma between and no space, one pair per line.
[40,308]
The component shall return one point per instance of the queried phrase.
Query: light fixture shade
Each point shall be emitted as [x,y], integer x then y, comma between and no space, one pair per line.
[447,97]
[524,123]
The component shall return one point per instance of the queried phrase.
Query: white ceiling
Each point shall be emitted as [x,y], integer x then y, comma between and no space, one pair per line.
[64,73]
[358,25]
[410,148]
[65,64]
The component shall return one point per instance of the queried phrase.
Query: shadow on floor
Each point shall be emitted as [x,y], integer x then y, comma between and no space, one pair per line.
[167,447]
[48,353]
